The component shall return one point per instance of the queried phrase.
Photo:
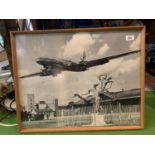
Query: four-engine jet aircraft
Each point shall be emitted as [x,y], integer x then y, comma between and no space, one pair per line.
[56,66]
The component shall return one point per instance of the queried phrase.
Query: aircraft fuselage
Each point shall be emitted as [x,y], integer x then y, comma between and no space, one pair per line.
[61,65]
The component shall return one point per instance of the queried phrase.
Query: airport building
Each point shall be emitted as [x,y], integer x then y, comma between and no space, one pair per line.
[123,103]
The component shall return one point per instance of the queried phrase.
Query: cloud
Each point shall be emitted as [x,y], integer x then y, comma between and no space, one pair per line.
[21,52]
[110,67]
[77,45]
[96,36]
[100,40]
[103,50]
[136,44]
[119,67]
[127,66]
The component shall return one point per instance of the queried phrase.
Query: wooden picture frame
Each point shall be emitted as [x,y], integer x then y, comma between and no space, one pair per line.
[80,97]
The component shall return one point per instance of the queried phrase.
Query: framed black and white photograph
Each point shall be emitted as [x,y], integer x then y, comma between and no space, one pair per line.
[79,79]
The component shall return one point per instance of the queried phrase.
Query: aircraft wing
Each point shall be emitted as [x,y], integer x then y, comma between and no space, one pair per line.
[31,75]
[107,59]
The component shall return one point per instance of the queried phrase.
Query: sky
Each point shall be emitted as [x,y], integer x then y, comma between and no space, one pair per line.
[70,46]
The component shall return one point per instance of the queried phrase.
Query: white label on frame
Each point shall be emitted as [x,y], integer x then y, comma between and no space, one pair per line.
[130,37]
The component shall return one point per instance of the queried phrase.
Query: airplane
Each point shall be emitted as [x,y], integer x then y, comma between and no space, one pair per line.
[56,66]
